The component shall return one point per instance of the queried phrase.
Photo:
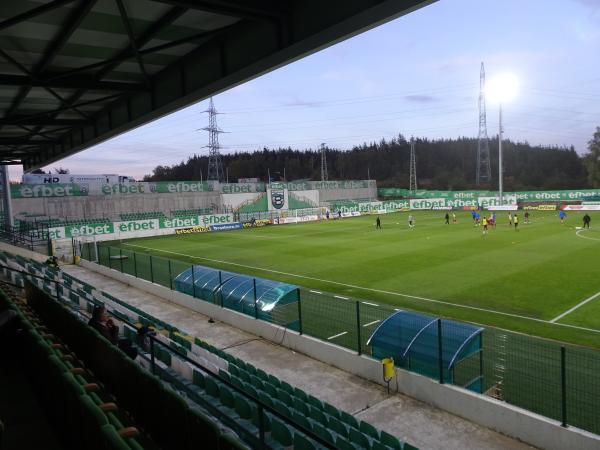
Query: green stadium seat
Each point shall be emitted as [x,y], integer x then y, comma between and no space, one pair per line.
[285,398]
[390,441]
[198,378]
[379,446]
[262,374]
[369,430]
[204,432]
[314,401]
[318,416]
[301,442]
[301,419]
[287,387]
[332,410]
[299,393]
[256,382]
[233,370]
[282,409]
[338,426]
[271,390]
[301,406]
[212,388]
[224,375]
[343,444]
[226,396]
[349,419]
[323,433]
[245,376]
[281,432]
[359,439]
[274,381]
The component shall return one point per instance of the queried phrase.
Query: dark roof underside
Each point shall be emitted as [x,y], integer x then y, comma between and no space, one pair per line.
[74,73]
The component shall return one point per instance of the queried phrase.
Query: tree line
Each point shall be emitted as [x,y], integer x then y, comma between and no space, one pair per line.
[441,164]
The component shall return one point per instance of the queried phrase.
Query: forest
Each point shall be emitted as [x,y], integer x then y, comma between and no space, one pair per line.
[441,164]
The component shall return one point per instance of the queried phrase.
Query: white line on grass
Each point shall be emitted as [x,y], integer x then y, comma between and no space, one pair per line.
[371,323]
[337,335]
[398,294]
[585,237]
[339,296]
[587,300]
[315,292]
[372,304]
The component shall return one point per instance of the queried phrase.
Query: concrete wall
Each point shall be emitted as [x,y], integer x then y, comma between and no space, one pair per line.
[113,205]
[327,195]
[502,417]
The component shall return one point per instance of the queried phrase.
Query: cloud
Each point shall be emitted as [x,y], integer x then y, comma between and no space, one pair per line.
[420,98]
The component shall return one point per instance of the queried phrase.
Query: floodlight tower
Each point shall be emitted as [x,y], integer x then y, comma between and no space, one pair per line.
[413,167]
[324,176]
[215,165]
[502,89]
[483,171]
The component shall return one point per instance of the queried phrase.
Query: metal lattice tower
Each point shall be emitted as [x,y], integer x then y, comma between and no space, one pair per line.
[413,167]
[215,165]
[483,174]
[323,164]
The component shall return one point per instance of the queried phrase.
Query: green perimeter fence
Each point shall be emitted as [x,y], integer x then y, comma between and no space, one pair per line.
[561,382]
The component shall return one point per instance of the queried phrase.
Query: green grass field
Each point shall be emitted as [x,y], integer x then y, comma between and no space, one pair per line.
[518,280]
[541,280]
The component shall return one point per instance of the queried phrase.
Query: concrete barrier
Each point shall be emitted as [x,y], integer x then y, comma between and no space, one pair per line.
[510,420]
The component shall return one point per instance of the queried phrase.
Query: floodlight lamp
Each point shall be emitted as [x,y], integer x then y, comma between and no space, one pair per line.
[502,88]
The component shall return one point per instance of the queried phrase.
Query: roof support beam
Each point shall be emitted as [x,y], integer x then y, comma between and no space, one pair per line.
[256,10]
[33,13]
[85,82]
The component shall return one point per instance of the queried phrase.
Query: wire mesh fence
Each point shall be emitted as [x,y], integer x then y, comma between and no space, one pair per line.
[561,382]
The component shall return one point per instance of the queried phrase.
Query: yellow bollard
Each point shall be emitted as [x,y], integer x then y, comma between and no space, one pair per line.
[389,370]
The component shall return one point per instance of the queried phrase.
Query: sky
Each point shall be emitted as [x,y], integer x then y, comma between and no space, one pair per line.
[417,75]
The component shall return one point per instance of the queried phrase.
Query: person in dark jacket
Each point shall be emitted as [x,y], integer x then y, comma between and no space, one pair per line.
[107,328]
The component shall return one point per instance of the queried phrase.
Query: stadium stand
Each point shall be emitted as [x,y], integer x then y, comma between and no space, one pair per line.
[143,215]
[205,392]
[191,212]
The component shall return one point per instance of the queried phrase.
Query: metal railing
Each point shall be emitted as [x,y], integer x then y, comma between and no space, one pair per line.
[556,380]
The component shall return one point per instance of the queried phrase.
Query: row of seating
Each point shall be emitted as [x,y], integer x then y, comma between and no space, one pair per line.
[83,412]
[321,418]
[191,212]
[143,215]
[166,417]
[61,222]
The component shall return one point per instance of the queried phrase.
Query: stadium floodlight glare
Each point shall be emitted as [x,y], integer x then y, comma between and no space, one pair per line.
[501,89]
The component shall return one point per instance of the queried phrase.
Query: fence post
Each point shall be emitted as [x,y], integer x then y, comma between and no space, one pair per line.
[135,264]
[109,260]
[299,313]
[440,360]
[359,343]
[121,258]
[170,276]
[563,379]
[151,271]
[193,283]
[255,303]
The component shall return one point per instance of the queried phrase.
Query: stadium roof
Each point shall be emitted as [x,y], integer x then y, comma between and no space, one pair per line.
[74,73]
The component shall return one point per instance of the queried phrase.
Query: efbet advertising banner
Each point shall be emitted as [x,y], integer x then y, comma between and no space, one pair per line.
[160,187]
[93,229]
[242,188]
[48,190]
[277,196]
[429,203]
[136,225]
[488,202]
[196,221]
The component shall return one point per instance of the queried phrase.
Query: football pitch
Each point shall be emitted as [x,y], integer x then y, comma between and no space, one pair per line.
[543,279]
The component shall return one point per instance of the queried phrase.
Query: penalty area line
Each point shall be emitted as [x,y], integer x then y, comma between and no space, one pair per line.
[353,286]
[577,306]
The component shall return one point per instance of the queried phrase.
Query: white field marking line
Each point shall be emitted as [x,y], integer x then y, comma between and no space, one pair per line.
[371,323]
[398,294]
[339,296]
[579,305]
[337,335]
[585,237]
[315,292]
[367,303]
